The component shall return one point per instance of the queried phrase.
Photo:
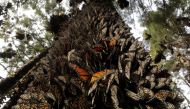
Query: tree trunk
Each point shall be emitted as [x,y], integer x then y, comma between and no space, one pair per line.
[95,63]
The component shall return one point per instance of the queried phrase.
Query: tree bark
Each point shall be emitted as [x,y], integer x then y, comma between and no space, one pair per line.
[16,94]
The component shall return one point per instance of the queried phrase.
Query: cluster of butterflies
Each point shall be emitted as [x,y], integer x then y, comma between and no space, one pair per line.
[84,74]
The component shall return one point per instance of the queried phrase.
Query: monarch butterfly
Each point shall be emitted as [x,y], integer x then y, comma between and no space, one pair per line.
[84,75]
[98,75]
[163,94]
[133,95]
[149,107]
[104,43]
[169,105]
[145,92]
[112,42]
[98,48]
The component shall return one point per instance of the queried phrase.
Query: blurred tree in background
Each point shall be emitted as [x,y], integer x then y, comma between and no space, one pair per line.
[23,28]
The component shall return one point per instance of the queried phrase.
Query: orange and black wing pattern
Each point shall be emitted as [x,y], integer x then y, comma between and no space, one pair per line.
[83,74]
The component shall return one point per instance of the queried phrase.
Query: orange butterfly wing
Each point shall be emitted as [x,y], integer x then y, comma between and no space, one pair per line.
[98,75]
[98,48]
[84,75]
[112,42]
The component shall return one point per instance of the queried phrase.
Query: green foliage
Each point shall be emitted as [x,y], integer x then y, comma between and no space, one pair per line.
[27,33]
[162,24]
[50,5]
[26,22]
[169,64]
[159,34]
